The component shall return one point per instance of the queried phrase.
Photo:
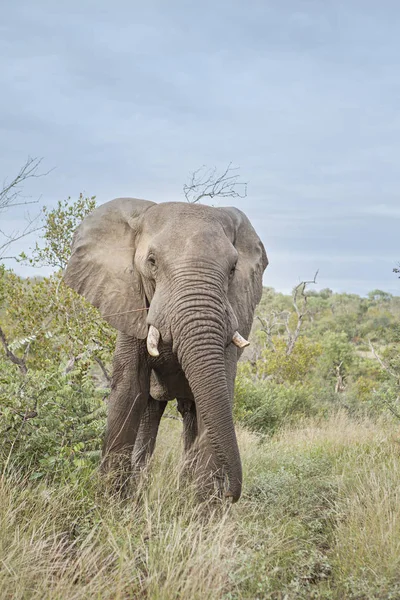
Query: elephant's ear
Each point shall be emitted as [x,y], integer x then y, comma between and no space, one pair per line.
[101,267]
[246,287]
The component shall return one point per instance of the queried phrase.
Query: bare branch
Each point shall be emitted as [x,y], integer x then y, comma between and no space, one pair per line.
[207,183]
[12,190]
[103,368]
[17,236]
[20,362]
[11,196]
[340,385]
[271,324]
[301,312]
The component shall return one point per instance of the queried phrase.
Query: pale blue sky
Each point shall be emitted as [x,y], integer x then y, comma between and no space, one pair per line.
[127,98]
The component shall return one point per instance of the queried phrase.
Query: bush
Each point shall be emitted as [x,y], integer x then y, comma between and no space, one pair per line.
[265,406]
[275,363]
[49,422]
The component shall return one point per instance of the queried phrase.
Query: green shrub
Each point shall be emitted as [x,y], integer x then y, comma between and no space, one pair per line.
[275,363]
[265,406]
[49,421]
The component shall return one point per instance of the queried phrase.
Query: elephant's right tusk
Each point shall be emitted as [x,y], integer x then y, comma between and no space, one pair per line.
[153,337]
[239,341]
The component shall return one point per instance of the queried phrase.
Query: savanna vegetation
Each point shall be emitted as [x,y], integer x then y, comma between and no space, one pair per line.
[318,416]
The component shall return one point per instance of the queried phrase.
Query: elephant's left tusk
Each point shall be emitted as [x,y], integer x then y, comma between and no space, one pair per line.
[153,337]
[239,341]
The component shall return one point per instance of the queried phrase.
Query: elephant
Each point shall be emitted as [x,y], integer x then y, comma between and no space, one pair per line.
[180,282]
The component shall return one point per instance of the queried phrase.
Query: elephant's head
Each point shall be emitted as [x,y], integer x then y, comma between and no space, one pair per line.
[193,273]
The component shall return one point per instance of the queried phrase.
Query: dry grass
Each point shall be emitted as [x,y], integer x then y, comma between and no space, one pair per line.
[320,518]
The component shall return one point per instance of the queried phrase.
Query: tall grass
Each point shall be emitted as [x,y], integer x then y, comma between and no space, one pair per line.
[320,518]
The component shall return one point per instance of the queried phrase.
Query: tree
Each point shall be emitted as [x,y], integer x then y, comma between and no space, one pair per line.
[55,350]
[336,359]
[379,296]
[208,183]
[59,227]
[44,319]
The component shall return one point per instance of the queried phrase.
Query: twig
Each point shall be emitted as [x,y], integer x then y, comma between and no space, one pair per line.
[103,368]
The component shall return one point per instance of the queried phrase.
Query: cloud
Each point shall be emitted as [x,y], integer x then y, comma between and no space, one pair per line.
[128,99]
[383,210]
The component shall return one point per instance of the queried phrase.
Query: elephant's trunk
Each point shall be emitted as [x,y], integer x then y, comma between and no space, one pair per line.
[200,335]
[207,379]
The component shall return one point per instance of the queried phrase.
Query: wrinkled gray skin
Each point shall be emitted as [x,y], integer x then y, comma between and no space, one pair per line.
[198,270]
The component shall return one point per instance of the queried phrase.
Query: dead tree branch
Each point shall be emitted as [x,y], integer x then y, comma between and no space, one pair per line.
[17,235]
[208,183]
[11,196]
[106,374]
[20,362]
[11,193]
[271,324]
[299,290]
[340,385]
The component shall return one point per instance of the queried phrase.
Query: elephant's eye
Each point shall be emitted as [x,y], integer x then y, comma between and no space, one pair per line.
[232,271]
[152,260]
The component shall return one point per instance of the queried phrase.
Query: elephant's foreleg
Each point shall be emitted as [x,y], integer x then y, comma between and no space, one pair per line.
[147,434]
[128,399]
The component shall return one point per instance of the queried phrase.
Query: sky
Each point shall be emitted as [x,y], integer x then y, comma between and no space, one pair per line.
[127,98]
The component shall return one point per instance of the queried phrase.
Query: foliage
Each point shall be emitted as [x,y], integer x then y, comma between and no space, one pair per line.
[331,358]
[274,363]
[50,422]
[49,322]
[46,321]
[59,226]
[266,406]
[52,389]
[338,352]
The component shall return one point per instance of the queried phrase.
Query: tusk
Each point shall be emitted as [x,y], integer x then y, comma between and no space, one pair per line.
[239,341]
[153,337]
